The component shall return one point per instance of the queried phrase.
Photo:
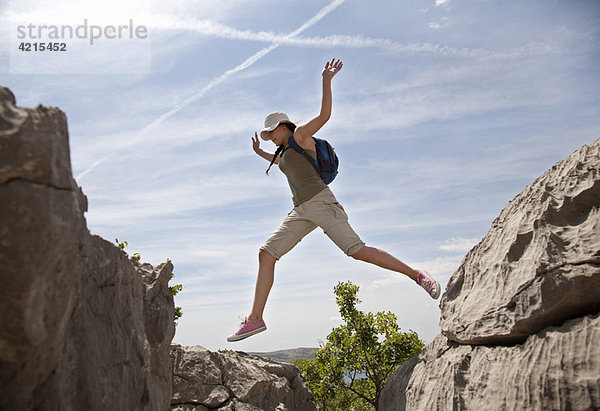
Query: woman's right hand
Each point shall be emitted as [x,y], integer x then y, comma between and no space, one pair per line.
[256,143]
[331,68]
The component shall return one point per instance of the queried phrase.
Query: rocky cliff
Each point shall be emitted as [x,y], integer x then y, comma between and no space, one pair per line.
[520,317]
[228,381]
[83,327]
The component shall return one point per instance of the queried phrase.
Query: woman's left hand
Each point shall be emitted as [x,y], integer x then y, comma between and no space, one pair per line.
[331,68]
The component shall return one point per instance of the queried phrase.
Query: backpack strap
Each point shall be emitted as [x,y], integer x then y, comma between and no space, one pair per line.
[292,143]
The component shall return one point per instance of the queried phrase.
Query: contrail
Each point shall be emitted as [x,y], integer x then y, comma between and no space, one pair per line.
[215,82]
[356,41]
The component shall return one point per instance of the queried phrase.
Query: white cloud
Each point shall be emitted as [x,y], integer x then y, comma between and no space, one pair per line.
[459,244]
[203,253]
[441,268]
[442,24]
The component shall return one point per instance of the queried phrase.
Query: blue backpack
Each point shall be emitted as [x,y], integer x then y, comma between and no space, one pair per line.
[327,161]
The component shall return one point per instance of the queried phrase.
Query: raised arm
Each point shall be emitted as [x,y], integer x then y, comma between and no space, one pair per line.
[307,130]
[264,154]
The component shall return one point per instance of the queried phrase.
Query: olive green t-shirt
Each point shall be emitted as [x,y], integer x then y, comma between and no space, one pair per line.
[303,179]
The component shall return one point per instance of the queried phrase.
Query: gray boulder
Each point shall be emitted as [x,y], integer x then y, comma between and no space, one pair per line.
[83,327]
[519,318]
[539,264]
[555,369]
[235,381]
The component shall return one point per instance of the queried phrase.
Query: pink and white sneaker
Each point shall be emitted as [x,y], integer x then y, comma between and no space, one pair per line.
[429,284]
[247,329]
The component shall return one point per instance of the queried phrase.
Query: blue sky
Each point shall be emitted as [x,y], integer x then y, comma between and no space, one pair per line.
[443,112]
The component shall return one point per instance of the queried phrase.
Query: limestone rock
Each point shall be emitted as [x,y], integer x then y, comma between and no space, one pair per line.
[555,369]
[235,381]
[538,266]
[34,144]
[520,317]
[82,325]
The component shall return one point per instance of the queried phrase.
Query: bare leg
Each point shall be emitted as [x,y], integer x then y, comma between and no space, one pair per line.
[384,260]
[264,282]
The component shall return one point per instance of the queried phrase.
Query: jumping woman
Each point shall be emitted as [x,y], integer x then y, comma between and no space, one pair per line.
[314,206]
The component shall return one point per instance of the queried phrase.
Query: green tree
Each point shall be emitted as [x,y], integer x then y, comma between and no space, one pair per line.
[351,368]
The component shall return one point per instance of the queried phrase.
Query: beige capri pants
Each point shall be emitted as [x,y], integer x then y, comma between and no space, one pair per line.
[323,210]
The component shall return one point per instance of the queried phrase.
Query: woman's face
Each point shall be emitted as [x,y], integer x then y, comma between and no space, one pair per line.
[279,135]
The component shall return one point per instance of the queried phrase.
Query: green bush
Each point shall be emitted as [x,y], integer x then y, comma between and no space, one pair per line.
[350,369]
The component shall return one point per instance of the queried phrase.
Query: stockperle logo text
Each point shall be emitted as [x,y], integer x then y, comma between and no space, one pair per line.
[85,31]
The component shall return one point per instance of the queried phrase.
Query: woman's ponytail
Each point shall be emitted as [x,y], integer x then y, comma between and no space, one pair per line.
[279,150]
